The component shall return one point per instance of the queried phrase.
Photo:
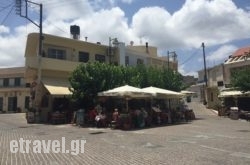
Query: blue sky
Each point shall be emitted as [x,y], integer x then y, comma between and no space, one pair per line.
[170,25]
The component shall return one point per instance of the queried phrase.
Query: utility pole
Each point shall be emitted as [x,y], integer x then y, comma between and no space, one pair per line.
[24,14]
[205,72]
[168,60]
[40,26]
[204,58]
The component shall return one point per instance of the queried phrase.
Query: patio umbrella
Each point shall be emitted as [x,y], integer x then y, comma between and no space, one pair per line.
[126,92]
[162,93]
[188,92]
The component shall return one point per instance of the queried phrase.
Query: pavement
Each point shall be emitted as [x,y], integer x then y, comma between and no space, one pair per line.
[209,139]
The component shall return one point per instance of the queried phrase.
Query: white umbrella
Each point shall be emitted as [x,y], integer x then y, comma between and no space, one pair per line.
[126,92]
[159,92]
[188,92]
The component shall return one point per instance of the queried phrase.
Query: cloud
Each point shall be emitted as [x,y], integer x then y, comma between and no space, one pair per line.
[67,10]
[211,21]
[12,52]
[196,22]
[221,54]
[127,1]
[4,29]
[182,69]
[149,24]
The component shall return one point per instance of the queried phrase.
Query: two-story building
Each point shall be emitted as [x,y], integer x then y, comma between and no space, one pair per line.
[219,77]
[48,73]
[14,92]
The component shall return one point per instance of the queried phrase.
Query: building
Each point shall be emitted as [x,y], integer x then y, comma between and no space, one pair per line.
[215,82]
[238,60]
[48,74]
[14,92]
[219,77]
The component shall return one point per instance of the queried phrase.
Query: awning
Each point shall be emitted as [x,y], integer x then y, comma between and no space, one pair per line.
[233,94]
[57,86]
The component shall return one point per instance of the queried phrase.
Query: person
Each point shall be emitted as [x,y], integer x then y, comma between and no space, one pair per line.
[100,120]
[115,119]
[92,115]
[115,115]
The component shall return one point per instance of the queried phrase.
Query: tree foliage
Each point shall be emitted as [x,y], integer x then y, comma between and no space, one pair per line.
[241,79]
[89,79]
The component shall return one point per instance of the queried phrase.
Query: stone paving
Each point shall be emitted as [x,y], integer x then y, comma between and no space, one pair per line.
[208,140]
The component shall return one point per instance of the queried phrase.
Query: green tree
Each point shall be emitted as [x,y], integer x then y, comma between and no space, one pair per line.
[89,79]
[241,79]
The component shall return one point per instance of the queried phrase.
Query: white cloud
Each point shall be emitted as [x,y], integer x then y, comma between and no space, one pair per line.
[221,54]
[213,22]
[67,10]
[149,23]
[127,1]
[186,72]
[11,51]
[4,29]
[196,22]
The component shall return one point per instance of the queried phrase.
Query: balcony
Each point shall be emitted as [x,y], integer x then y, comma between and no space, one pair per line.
[51,64]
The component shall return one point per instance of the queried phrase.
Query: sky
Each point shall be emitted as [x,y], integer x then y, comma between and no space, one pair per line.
[170,25]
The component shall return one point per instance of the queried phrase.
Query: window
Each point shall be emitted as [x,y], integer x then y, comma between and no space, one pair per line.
[12,103]
[27,85]
[127,60]
[140,61]
[27,102]
[56,53]
[100,58]
[17,81]
[220,83]
[83,56]
[6,82]
[1,104]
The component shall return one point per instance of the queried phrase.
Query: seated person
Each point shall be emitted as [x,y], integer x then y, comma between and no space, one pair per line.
[101,120]
[92,115]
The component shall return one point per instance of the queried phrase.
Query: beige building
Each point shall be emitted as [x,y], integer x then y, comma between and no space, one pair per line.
[215,76]
[219,76]
[48,74]
[14,92]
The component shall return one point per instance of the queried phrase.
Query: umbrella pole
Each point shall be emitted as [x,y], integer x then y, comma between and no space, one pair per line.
[127,104]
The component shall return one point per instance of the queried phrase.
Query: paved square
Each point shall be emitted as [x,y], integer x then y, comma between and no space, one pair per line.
[208,140]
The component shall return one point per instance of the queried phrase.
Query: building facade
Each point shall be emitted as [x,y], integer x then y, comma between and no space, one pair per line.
[48,73]
[238,60]
[219,77]
[14,92]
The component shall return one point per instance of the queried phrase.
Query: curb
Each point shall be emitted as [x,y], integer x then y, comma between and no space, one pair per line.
[214,111]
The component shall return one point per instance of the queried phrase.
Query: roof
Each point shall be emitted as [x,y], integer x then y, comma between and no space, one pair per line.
[241,51]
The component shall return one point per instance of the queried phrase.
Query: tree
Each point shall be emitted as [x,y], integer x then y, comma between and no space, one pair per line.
[241,79]
[89,79]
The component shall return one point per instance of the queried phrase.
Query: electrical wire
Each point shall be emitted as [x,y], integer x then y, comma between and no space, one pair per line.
[191,56]
[7,15]
[5,7]
[55,26]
